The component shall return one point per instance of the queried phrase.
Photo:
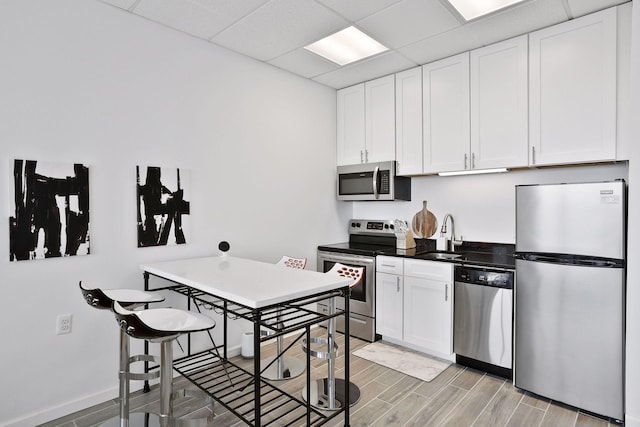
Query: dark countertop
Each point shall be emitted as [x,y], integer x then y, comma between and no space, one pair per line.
[497,255]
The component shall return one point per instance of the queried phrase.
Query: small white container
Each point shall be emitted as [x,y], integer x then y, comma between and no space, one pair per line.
[247,345]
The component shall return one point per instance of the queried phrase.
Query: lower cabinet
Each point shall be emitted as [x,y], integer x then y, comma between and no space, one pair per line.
[414,304]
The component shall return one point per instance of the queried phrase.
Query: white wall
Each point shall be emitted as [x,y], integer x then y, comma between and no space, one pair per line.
[483,206]
[82,81]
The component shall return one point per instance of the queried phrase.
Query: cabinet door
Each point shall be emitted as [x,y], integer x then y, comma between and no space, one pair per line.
[445,87]
[380,120]
[389,290]
[499,105]
[350,125]
[428,315]
[409,122]
[572,90]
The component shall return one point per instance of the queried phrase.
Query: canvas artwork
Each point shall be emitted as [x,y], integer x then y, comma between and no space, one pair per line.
[49,210]
[163,206]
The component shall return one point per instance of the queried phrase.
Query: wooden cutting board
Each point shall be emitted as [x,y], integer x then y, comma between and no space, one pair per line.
[424,223]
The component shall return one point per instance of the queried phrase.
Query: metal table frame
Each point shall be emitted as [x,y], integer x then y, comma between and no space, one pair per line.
[231,385]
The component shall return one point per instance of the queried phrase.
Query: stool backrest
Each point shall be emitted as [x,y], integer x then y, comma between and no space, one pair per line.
[96,298]
[291,262]
[354,273]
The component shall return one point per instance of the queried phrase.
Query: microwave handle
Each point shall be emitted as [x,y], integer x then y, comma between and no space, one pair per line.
[375,182]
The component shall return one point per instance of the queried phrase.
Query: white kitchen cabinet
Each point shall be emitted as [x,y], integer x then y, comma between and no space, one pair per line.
[445,86]
[350,125]
[366,122]
[380,119]
[389,297]
[499,105]
[409,122]
[572,90]
[428,306]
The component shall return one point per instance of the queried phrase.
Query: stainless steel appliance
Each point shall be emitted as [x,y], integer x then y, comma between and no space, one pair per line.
[570,294]
[367,238]
[372,181]
[483,318]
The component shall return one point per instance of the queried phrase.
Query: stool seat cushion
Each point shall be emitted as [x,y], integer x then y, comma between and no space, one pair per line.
[158,323]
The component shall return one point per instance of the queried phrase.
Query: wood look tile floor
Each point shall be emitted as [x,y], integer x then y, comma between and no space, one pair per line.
[459,397]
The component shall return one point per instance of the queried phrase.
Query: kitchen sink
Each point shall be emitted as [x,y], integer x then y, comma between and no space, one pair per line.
[440,255]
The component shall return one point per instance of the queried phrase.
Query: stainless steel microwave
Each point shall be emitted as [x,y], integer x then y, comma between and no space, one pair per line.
[372,181]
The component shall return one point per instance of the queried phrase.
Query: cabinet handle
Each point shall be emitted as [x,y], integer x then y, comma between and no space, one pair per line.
[473,160]
[397,284]
[366,156]
[361,156]
[533,155]
[446,292]
[465,161]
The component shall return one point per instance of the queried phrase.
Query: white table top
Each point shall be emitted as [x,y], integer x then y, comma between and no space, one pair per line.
[251,283]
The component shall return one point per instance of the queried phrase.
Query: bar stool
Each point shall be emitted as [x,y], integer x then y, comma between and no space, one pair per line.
[329,393]
[163,326]
[103,299]
[284,367]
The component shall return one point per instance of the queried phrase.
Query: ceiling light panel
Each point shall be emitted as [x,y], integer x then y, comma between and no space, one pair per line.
[471,9]
[346,46]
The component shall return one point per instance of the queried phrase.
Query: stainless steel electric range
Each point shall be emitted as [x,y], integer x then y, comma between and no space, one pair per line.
[367,238]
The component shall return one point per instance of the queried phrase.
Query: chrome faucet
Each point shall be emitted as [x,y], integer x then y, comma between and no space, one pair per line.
[443,231]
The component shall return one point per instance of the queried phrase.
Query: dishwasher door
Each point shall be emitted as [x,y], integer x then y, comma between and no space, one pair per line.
[483,323]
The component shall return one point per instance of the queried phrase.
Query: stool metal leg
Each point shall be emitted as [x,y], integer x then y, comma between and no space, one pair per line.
[166,381]
[284,367]
[124,379]
[329,393]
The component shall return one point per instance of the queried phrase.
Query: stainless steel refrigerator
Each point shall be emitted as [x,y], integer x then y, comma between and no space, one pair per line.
[570,294]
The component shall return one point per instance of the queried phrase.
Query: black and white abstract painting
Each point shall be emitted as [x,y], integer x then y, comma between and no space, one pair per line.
[163,206]
[49,210]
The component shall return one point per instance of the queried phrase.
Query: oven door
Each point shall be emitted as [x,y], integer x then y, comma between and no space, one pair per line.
[362,301]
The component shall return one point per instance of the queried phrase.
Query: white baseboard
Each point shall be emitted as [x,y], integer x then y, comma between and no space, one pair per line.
[49,414]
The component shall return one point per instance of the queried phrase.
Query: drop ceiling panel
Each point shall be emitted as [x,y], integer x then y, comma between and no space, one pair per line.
[304,63]
[441,46]
[124,4]
[280,26]
[518,20]
[416,31]
[184,15]
[378,66]
[354,10]
[583,7]
[408,21]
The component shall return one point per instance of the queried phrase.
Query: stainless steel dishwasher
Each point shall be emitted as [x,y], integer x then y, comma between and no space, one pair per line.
[483,318]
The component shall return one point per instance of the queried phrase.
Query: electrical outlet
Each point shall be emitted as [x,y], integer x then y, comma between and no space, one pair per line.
[63,324]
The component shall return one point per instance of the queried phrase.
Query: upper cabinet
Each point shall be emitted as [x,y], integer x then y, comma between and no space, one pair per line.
[366,122]
[572,89]
[350,125]
[553,97]
[445,86]
[499,105]
[409,122]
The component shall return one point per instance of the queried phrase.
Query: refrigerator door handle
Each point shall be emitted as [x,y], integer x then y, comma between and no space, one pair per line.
[571,260]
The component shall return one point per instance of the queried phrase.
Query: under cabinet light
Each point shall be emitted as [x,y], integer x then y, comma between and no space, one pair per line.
[471,9]
[346,46]
[473,172]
